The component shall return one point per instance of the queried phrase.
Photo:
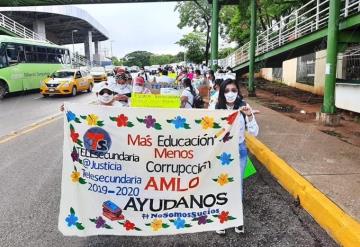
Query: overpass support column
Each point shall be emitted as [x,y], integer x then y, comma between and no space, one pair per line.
[97,55]
[87,46]
[214,34]
[251,87]
[327,115]
[39,28]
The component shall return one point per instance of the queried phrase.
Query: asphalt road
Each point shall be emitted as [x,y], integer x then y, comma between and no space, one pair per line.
[22,109]
[30,177]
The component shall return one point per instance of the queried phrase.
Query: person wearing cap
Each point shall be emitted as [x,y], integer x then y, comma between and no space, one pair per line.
[104,95]
[139,86]
[121,89]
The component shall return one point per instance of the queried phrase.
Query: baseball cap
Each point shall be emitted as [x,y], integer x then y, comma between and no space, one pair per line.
[139,80]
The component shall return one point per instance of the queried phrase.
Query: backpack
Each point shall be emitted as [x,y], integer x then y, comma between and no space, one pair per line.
[198,101]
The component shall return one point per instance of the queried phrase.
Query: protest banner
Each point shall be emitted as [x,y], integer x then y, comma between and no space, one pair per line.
[141,171]
[155,100]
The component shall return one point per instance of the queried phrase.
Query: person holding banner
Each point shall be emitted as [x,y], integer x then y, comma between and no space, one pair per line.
[139,86]
[230,98]
[122,89]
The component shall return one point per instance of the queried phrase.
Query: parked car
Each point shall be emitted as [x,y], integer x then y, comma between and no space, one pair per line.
[66,81]
[99,74]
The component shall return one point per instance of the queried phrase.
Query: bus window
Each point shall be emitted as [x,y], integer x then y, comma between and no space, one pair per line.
[41,55]
[21,53]
[52,55]
[12,54]
[3,62]
[30,54]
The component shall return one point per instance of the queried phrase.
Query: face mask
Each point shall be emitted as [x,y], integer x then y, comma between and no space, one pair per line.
[231,97]
[106,98]
[122,86]
[138,89]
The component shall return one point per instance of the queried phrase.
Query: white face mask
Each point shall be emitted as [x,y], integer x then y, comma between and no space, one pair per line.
[106,98]
[231,97]
[122,86]
[138,89]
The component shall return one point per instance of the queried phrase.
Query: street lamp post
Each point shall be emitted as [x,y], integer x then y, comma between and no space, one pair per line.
[72,38]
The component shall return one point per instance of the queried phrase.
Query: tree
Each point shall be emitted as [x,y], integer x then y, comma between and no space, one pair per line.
[223,53]
[197,15]
[116,61]
[194,43]
[236,21]
[137,58]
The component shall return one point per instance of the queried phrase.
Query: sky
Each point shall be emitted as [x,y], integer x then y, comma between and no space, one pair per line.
[138,26]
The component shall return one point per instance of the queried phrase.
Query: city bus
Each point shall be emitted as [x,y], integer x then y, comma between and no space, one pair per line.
[25,63]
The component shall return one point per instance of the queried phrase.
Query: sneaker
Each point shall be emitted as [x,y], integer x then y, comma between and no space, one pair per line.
[221,232]
[239,229]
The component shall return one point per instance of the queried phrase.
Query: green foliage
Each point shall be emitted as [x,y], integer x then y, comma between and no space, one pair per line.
[225,52]
[116,61]
[137,58]
[194,43]
[165,59]
[236,20]
[196,15]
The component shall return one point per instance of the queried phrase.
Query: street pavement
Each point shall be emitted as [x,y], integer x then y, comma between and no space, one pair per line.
[30,169]
[22,109]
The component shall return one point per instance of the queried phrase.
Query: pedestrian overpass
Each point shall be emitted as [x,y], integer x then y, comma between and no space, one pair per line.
[302,32]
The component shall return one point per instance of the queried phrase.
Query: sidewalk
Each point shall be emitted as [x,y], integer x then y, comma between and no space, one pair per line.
[329,164]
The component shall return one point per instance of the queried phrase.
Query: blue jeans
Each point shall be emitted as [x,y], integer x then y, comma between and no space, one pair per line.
[243,160]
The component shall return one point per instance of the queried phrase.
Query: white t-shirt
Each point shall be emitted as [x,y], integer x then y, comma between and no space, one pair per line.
[122,89]
[187,93]
[165,78]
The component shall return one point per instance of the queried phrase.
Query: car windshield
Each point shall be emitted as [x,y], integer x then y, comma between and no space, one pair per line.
[63,74]
[98,69]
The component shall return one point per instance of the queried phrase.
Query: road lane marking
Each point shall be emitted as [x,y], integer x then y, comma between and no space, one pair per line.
[31,127]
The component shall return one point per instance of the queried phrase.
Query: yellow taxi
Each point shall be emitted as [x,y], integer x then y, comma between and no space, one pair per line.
[67,81]
[99,74]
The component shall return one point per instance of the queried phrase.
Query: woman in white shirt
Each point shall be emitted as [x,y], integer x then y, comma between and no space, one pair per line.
[187,96]
[231,99]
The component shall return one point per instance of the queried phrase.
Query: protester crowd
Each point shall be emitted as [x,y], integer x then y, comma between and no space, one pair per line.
[200,88]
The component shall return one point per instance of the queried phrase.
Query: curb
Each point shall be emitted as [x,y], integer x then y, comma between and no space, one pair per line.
[344,229]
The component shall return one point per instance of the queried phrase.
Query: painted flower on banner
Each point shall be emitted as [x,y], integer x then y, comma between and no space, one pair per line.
[100,223]
[129,226]
[227,137]
[179,122]
[72,220]
[93,120]
[224,216]
[122,121]
[208,123]
[225,158]
[75,156]
[76,178]
[223,179]
[72,117]
[202,220]
[75,136]
[157,224]
[231,118]
[150,122]
[180,223]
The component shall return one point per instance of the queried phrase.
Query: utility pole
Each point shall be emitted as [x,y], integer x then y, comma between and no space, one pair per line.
[214,34]
[251,87]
